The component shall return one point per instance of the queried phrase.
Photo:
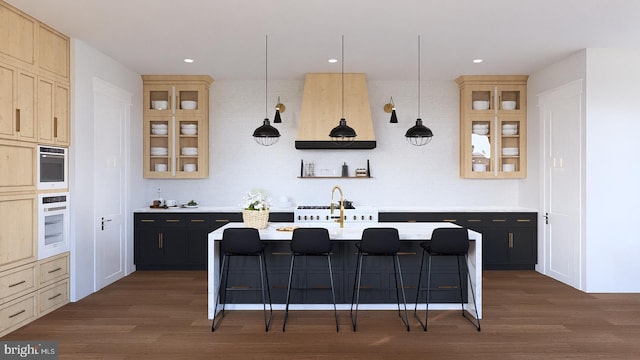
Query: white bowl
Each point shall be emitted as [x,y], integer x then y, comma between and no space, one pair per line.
[189,126]
[479,167]
[508,105]
[189,167]
[159,126]
[509,131]
[161,167]
[509,126]
[480,126]
[189,151]
[188,105]
[480,105]
[159,151]
[480,131]
[159,131]
[188,131]
[508,167]
[160,104]
[510,151]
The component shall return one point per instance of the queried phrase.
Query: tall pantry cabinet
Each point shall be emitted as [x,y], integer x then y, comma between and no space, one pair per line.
[34,109]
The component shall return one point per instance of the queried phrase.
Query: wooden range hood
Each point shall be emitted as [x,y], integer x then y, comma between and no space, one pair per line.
[322,109]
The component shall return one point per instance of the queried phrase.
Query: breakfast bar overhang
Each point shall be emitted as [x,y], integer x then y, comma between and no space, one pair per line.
[415,232]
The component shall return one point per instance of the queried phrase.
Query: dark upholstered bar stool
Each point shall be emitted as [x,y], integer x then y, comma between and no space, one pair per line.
[379,242]
[241,242]
[310,242]
[446,242]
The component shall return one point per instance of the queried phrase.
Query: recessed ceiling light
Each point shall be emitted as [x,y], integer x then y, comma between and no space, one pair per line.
[188,61]
[477,61]
[333,61]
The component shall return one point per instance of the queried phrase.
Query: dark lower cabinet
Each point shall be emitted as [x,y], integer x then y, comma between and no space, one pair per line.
[509,239]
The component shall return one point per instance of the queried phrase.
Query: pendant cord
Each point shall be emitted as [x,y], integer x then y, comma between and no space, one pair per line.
[418,76]
[266,97]
[342,76]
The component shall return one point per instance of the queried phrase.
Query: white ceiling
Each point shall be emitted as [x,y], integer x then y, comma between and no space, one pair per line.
[227,38]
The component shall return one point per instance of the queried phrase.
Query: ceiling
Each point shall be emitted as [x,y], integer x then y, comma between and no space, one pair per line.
[227,38]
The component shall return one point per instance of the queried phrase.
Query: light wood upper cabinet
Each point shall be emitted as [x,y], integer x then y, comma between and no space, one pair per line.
[18,241]
[493,126]
[176,126]
[17,34]
[53,112]
[17,166]
[53,51]
[17,104]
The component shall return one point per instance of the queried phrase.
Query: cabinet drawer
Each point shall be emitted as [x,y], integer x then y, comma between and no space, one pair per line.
[17,313]
[53,269]
[17,282]
[53,297]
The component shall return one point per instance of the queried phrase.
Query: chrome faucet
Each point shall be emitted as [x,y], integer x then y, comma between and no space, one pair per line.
[341,203]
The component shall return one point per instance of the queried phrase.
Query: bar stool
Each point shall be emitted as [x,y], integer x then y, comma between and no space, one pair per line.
[379,242]
[241,242]
[310,242]
[446,242]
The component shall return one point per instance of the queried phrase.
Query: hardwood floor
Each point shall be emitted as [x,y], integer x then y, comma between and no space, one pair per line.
[162,315]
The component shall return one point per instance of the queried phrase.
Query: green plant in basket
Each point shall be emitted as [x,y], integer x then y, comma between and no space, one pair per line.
[256,200]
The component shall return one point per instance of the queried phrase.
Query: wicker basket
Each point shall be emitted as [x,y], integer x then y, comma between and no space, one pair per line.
[258,219]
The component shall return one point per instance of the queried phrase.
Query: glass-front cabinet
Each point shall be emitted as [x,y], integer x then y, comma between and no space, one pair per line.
[493,126]
[176,126]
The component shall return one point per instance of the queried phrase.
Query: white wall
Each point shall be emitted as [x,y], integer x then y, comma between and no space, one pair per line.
[613,170]
[88,63]
[403,175]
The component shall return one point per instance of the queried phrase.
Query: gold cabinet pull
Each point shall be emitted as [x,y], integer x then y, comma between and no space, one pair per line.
[510,240]
[55,296]
[18,283]
[172,220]
[197,220]
[412,221]
[159,240]
[54,270]
[499,220]
[449,220]
[17,120]
[147,220]
[222,220]
[16,314]
[523,220]
[55,126]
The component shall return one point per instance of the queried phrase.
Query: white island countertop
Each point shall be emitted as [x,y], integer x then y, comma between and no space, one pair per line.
[352,231]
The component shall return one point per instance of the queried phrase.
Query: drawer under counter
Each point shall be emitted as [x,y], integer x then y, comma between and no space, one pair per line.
[53,269]
[53,297]
[17,282]
[17,313]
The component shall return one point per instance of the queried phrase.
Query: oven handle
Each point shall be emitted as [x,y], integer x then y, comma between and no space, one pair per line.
[57,208]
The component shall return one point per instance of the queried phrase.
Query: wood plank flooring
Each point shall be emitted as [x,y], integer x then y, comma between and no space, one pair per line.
[162,315]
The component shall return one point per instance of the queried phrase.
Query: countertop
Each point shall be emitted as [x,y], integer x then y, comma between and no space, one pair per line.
[382,209]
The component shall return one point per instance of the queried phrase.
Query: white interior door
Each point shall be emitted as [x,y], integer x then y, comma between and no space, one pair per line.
[561,115]
[111,114]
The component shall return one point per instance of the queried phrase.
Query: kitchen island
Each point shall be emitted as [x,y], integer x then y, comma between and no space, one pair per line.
[409,232]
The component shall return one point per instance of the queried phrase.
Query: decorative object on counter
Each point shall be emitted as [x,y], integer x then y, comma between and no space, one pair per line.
[345,170]
[280,108]
[266,135]
[190,204]
[390,107]
[342,134]
[256,209]
[419,135]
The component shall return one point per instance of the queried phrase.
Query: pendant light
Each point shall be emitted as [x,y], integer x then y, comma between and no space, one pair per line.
[266,135]
[342,134]
[390,107]
[419,135]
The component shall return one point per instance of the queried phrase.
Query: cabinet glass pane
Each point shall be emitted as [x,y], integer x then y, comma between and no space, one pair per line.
[159,151]
[481,146]
[481,100]
[188,100]
[510,100]
[510,148]
[159,100]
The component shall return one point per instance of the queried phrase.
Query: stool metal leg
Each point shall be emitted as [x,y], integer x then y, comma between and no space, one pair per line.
[286,308]
[415,308]
[333,293]
[356,291]
[398,273]
[220,299]
[475,304]
[264,278]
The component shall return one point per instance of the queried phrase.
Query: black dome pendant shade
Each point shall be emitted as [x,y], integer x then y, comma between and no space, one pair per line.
[419,134]
[266,134]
